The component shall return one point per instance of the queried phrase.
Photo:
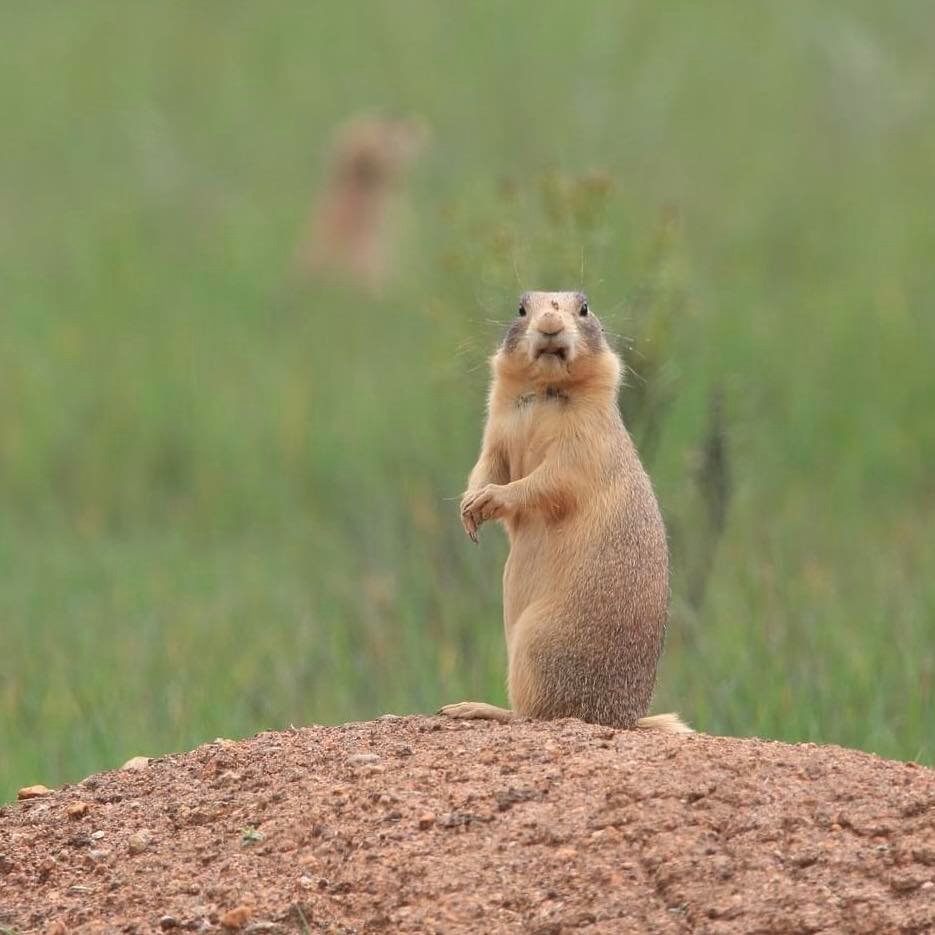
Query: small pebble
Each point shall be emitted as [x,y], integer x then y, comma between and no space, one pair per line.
[136,763]
[361,759]
[77,809]
[236,918]
[139,841]
[33,792]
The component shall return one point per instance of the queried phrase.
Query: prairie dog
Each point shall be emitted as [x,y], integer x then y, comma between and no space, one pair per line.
[586,584]
[350,233]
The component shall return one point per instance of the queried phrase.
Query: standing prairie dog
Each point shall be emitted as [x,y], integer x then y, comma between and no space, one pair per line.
[586,584]
[350,231]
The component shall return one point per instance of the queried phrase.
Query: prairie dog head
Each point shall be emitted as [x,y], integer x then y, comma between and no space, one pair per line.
[556,340]
[373,153]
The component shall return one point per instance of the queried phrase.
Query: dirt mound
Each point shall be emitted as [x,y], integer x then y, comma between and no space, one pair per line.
[427,825]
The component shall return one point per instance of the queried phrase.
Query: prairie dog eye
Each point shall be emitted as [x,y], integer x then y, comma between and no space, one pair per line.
[521,311]
[583,310]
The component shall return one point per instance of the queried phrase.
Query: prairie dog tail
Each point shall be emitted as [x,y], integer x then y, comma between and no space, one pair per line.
[667,723]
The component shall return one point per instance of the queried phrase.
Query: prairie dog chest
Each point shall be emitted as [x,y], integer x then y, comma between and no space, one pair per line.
[531,428]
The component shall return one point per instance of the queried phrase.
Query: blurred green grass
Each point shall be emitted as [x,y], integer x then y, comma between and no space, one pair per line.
[225,497]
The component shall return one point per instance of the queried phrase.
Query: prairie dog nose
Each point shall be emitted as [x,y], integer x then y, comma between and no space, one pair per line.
[550,325]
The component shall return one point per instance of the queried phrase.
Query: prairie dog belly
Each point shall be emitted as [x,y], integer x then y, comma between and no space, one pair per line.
[548,561]
[529,568]
[601,569]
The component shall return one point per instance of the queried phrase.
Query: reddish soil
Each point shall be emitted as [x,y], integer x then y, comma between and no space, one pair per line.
[427,825]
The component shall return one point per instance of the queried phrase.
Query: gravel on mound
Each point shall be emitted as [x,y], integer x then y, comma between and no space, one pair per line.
[428,825]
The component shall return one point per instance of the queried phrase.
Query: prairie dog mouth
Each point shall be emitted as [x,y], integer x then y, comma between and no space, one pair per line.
[556,353]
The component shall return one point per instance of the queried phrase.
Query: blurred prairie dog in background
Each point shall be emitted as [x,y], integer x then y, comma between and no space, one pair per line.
[586,584]
[350,230]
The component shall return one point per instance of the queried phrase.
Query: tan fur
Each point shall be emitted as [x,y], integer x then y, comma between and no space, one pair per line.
[349,231]
[667,723]
[585,587]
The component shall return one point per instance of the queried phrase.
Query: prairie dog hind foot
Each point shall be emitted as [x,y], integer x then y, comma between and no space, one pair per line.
[476,711]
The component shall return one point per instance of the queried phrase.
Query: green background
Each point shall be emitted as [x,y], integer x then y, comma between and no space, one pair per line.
[228,498]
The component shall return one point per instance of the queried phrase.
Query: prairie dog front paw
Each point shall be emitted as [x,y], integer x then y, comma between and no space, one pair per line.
[489,502]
